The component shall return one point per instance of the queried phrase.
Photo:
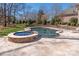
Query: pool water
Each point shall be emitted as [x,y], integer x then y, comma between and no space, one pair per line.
[45,32]
[23,33]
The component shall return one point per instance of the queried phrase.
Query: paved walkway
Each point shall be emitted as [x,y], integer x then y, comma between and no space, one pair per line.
[42,47]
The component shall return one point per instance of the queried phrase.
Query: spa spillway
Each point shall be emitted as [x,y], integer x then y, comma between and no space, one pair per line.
[20,37]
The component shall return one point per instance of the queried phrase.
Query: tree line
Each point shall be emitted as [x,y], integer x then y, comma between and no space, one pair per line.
[12,13]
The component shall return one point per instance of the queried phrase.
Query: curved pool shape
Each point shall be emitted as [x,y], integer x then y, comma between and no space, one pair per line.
[23,33]
[25,36]
[45,32]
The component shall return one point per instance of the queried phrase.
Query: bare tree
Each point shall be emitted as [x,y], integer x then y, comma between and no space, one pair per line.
[4,14]
[39,16]
[56,9]
[9,11]
[15,11]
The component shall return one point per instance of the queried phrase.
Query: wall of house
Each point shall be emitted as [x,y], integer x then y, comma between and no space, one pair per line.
[67,18]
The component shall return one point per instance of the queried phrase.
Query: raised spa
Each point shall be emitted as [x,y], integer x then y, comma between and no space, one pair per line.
[23,36]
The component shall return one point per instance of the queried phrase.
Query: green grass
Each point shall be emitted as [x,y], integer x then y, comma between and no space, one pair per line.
[8,30]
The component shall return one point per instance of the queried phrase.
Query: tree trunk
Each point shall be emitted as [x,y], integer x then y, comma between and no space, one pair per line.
[5,23]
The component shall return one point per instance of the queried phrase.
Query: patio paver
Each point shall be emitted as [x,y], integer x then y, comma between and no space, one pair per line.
[42,47]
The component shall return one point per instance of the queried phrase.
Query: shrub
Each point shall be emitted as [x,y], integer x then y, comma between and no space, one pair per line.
[64,23]
[73,21]
[44,22]
[29,22]
[56,21]
[20,22]
[69,23]
[38,21]
[23,21]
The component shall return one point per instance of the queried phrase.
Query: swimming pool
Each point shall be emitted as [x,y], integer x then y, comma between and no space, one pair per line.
[45,32]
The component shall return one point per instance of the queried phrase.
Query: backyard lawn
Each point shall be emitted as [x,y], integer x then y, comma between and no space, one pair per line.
[8,30]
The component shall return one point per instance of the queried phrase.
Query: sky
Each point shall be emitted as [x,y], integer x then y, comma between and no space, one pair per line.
[47,7]
[36,6]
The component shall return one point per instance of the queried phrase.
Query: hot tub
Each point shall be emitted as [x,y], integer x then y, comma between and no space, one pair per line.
[25,36]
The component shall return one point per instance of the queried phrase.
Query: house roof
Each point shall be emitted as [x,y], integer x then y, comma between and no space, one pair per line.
[69,12]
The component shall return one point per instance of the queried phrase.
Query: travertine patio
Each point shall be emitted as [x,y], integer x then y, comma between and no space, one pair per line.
[43,47]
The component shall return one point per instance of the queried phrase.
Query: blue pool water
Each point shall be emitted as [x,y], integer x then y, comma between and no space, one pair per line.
[42,32]
[45,32]
[22,33]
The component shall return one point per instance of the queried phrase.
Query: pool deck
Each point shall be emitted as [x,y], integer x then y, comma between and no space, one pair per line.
[60,46]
